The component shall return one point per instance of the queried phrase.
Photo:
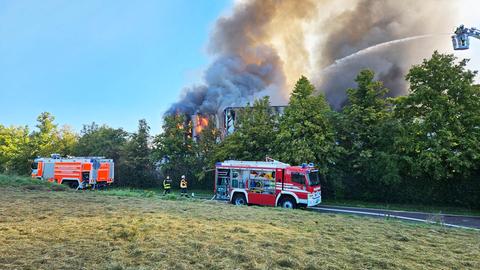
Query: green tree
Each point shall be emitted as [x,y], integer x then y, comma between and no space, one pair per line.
[137,166]
[206,147]
[67,142]
[174,148]
[365,131]
[440,119]
[46,140]
[254,136]
[15,150]
[103,141]
[305,132]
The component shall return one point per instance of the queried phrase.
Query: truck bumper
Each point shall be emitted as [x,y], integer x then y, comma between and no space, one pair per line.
[314,199]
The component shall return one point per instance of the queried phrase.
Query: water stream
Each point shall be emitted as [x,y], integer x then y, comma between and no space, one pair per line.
[368,50]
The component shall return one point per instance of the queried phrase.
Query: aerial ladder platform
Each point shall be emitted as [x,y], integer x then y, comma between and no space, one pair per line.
[461,38]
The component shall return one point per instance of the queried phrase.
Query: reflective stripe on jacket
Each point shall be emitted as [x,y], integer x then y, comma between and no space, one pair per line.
[183,183]
[167,183]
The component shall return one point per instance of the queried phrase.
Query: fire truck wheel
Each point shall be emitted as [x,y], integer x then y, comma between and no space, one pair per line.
[239,199]
[73,185]
[288,202]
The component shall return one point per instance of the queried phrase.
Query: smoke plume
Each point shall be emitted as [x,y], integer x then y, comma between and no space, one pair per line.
[264,46]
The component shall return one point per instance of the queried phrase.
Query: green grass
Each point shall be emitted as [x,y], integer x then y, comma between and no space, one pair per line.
[135,192]
[40,229]
[127,192]
[406,207]
[27,183]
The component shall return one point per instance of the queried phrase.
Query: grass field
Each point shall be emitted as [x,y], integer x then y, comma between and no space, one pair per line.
[133,192]
[46,227]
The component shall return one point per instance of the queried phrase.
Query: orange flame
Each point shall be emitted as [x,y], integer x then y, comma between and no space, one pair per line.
[200,124]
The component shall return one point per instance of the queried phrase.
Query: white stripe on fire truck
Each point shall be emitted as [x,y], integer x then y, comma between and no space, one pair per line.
[296,190]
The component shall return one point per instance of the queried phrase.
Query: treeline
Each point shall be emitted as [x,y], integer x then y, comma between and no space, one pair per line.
[419,148]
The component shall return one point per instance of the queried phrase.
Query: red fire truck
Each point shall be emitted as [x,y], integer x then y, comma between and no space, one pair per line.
[270,183]
[77,172]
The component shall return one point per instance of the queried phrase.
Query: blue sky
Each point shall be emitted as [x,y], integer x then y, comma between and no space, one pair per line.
[111,62]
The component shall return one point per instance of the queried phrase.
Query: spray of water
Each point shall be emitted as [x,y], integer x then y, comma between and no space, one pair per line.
[346,59]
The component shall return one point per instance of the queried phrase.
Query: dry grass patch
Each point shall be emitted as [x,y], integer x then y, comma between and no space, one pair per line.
[49,230]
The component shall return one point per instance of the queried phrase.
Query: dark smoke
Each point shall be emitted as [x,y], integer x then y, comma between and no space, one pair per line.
[232,82]
[264,46]
[373,22]
[246,66]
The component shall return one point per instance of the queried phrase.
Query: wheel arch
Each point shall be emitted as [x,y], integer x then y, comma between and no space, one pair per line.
[239,191]
[70,180]
[284,194]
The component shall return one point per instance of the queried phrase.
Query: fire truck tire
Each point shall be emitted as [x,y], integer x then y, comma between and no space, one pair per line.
[239,199]
[71,184]
[288,202]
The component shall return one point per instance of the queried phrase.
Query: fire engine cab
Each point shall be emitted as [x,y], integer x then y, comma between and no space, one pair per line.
[77,172]
[271,183]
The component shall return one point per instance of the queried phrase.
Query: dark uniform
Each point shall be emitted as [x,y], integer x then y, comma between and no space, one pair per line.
[167,185]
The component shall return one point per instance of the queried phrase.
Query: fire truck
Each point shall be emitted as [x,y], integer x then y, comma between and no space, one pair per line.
[271,183]
[76,172]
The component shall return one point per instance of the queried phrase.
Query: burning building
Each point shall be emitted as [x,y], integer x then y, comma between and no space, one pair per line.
[224,121]
[230,114]
[200,122]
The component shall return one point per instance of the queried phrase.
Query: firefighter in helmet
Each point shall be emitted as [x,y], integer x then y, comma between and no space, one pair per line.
[167,185]
[183,186]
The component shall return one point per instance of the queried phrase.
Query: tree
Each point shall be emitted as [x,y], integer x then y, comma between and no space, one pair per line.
[103,141]
[206,147]
[137,166]
[440,119]
[67,141]
[45,141]
[174,148]
[305,132]
[18,147]
[255,132]
[364,131]
[15,150]
[439,139]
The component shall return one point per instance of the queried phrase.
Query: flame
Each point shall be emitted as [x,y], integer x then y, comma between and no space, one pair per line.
[200,124]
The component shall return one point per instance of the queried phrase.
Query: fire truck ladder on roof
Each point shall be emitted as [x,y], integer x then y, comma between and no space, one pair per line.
[264,164]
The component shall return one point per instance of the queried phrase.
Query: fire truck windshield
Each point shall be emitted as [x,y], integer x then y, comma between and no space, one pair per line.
[313,178]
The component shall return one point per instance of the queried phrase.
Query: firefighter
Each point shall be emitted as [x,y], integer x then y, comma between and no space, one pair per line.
[183,186]
[167,185]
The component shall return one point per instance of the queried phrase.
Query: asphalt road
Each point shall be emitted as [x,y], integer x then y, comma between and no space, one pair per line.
[457,221]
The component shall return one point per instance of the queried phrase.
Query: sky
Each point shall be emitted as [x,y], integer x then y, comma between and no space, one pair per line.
[111,61]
